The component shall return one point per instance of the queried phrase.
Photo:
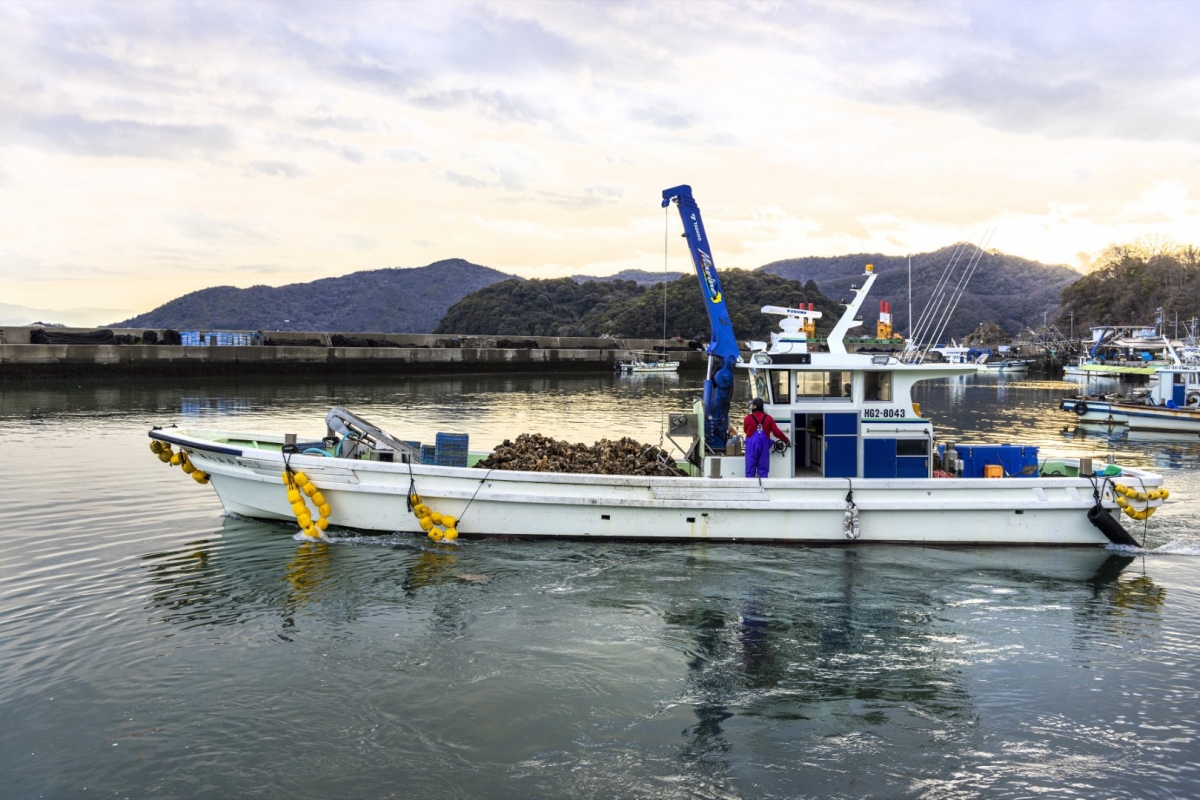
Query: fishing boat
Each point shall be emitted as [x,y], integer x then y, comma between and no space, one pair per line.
[864,464]
[1121,351]
[1009,366]
[637,365]
[1170,405]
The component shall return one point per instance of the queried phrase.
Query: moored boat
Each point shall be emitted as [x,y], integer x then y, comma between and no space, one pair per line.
[1010,366]
[640,366]
[863,463]
[1170,405]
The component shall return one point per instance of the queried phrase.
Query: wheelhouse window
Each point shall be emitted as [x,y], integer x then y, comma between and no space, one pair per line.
[781,386]
[838,385]
[826,385]
[877,386]
[758,384]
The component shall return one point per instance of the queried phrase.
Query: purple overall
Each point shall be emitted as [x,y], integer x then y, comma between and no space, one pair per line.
[758,454]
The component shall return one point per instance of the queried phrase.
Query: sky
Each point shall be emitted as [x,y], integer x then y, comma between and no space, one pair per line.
[152,149]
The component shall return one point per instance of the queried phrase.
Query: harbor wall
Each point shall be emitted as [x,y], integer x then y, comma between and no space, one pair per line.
[33,361]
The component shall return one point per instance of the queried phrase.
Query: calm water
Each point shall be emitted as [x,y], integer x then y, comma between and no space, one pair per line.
[150,646]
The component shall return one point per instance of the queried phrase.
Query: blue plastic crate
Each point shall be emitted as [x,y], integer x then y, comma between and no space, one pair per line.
[428,454]
[451,449]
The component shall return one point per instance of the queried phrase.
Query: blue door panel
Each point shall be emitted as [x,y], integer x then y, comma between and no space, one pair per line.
[1178,391]
[912,467]
[836,424]
[879,458]
[841,455]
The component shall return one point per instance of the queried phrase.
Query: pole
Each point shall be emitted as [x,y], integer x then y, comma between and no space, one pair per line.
[910,325]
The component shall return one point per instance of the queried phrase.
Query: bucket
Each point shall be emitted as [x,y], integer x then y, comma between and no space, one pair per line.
[993,471]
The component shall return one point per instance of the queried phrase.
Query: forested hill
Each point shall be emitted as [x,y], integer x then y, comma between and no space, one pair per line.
[1010,291]
[564,307]
[643,277]
[382,301]
[1131,282]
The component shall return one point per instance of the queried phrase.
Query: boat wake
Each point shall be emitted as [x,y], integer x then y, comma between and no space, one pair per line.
[1179,548]
[1175,548]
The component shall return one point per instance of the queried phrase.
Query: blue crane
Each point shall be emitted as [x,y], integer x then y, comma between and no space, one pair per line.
[723,350]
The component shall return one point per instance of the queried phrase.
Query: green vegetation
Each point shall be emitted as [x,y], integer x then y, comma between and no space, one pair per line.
[1129,282]
[623,308]
[557,307]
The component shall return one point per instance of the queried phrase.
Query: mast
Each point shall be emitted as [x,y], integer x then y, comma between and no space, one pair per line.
[910,329]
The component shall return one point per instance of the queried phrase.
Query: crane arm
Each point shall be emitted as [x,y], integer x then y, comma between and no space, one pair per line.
[723,350]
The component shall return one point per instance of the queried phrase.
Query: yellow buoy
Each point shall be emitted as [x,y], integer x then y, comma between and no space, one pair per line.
[200,476]
[450,535]
[304,520]
[165,456]
[421,510]
[300,478]
[436,517]
[436,534]
[322,523]
[324,510]
[155,446]
[414,500]
[426,523]
[189,467]
[294,496]
[309,488]
[176,459]
[299,508]
[318,498]
[449,521]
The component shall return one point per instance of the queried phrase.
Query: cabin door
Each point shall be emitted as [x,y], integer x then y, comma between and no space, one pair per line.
[800,444]
[826,444]
[841,445]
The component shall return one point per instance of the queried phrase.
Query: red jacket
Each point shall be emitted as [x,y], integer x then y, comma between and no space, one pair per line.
[756,418]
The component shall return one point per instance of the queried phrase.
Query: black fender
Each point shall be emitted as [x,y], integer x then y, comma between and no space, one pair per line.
[1115,532]
[1081,408]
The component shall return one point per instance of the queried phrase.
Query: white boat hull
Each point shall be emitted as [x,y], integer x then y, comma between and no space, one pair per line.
[372,496]
[1138,417]
[668,368]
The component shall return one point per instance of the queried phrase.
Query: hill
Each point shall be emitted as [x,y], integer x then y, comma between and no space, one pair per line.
[1131,282]
[564,307]
[1007,290]
[383,300]
[642,277]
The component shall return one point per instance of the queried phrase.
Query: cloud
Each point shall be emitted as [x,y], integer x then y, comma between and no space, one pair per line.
[405,155]
[355,241]
[665,116]
[201,226]
[345,152]
[282,169]
[1058,69]
[117,137]
[465,181]
[493,103]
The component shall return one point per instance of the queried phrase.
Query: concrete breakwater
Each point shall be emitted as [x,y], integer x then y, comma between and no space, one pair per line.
[315,353]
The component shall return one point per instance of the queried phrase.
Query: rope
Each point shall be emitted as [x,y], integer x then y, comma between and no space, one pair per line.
[472,500]
[412,487]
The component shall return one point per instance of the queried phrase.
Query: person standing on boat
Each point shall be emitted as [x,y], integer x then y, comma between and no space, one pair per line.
[759,427]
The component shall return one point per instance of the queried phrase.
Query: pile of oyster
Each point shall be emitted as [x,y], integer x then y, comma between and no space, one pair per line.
[532,452]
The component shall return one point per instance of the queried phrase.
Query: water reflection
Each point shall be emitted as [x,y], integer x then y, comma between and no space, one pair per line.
[872,646]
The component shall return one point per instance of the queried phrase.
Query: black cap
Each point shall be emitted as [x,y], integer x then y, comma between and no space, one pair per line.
[757,403]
